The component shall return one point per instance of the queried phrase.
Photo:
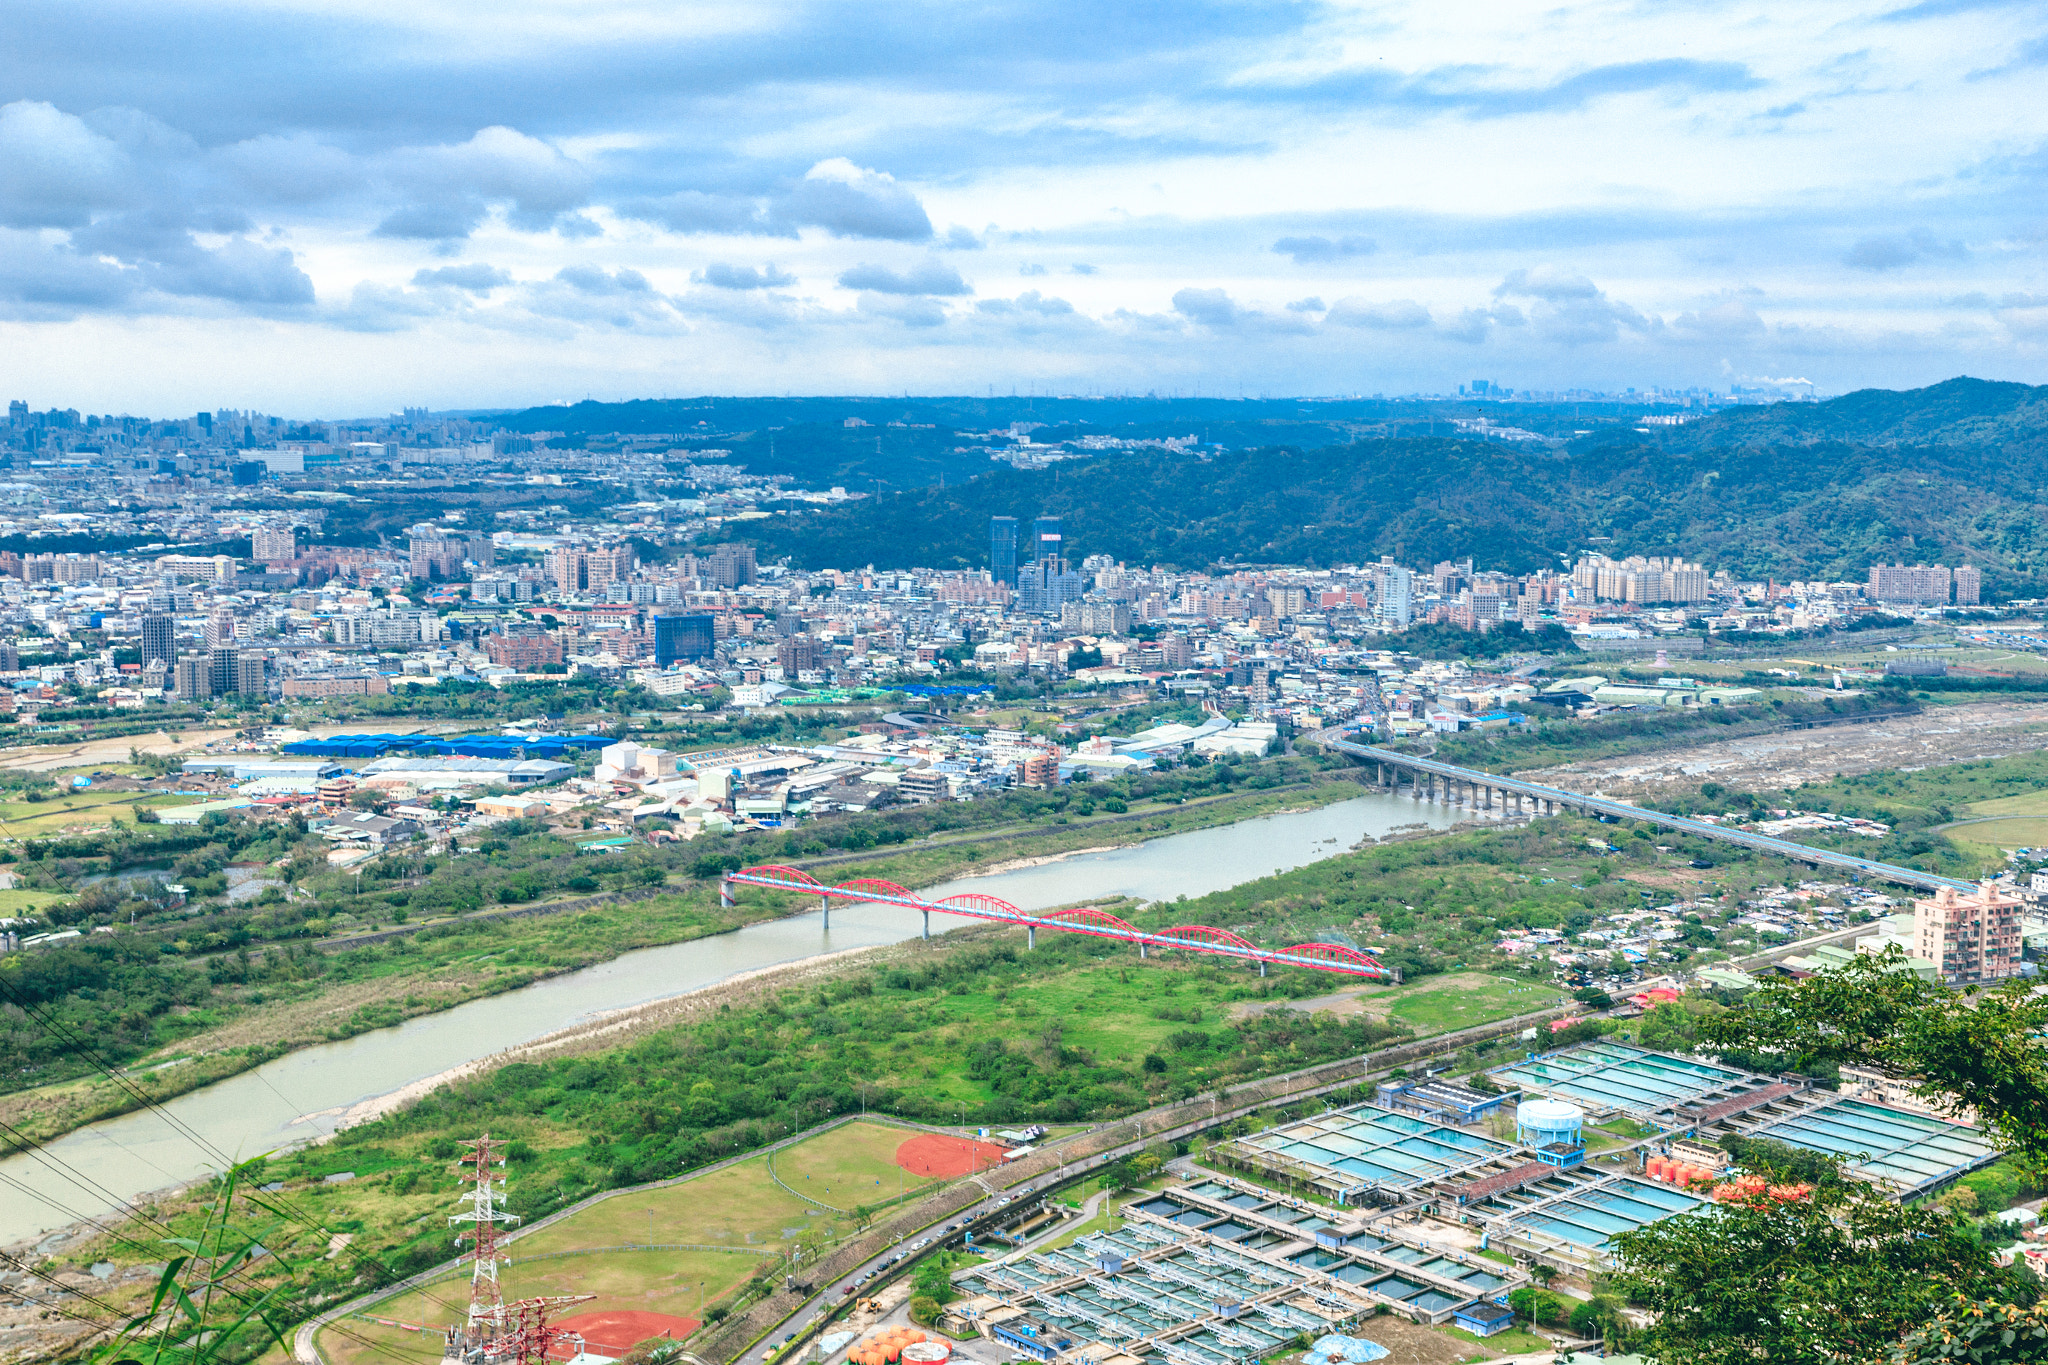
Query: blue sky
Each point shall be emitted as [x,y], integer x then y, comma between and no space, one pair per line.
[319,208]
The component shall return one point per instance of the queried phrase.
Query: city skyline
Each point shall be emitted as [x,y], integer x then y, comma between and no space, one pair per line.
[319,210]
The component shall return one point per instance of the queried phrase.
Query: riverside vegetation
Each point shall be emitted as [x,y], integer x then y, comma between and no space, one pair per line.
[241,982]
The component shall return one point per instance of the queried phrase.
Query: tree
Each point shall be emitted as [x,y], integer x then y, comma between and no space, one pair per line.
[1979,1334]
[1813,1277]
[1977,1048]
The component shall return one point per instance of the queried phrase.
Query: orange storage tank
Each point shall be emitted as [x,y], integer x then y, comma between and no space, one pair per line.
[1654,1168]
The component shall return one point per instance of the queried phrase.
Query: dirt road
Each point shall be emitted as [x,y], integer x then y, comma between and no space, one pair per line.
[1938,735]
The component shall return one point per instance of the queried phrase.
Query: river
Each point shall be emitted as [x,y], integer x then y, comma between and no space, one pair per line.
[301,1097]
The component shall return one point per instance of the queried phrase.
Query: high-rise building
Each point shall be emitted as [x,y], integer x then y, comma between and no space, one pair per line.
[683,639]
[1045,539]
[1096,616]
[1394,587]
[268,544]
[1969,585]
[1969,936]
[223,670]
[194,678]
[1045,586]
[797,654]
[1002,550]
[1919,586]
[607,565]
[1286,600]
[525,651]
[732,566]
[220,629]
[437,557]
[159,638]
[1637,579]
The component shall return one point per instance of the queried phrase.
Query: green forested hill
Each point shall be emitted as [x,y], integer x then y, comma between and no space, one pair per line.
[1949,473]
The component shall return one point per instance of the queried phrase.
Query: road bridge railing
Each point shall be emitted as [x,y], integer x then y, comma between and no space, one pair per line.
[1478,781]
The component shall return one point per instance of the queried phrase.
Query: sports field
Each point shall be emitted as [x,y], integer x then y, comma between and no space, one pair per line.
[941,1157]
[731,1222]
[852,1165]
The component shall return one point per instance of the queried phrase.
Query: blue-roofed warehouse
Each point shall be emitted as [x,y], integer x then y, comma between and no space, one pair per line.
[447,746]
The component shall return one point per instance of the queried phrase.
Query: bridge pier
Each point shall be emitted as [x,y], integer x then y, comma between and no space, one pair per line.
[927,924]
[724,894]
[825,904]
[1262,967]
[1141,952]
[1030,936]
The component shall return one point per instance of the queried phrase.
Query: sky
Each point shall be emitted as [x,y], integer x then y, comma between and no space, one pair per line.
[333,209]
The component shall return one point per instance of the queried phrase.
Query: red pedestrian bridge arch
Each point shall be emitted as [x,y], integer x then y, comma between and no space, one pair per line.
[1196,938]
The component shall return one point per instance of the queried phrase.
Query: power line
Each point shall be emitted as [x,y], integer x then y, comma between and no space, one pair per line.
[125,1240]
[284,1207]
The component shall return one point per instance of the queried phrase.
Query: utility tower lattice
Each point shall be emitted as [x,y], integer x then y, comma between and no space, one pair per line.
[487,1322]
[532,1336]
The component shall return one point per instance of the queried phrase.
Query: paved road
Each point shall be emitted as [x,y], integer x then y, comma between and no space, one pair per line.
[1784,848]
[809,1317]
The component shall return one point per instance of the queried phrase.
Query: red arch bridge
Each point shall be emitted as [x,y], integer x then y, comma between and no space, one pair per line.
[1194,938]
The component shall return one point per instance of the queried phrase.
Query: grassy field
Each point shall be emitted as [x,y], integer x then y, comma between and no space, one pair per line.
[27,902]
[739,1208]
[1445,1004]
[2032,803]
[1514,1341]
[1990,836]
[75,811]
[850,1166]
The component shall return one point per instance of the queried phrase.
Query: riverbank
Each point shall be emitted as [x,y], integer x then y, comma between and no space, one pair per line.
[413,971]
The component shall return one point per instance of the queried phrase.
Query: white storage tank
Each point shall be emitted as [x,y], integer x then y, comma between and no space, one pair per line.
[1546,1123]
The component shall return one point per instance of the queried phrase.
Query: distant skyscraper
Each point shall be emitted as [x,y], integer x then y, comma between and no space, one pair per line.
[682,640]
[1045,538]
[159,633]
[1396,587]
[1044,586]
[1002,550]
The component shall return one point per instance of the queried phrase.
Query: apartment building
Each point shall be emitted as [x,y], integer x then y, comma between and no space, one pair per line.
[1970,936]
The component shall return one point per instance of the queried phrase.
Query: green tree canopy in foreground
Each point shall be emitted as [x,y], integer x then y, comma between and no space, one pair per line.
[1836,1272]
[1841,1274]
[1980,1048]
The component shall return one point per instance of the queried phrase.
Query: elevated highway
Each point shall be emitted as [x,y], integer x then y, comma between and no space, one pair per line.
[1431,780]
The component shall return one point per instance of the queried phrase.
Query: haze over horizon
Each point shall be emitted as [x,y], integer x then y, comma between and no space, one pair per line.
[304,207]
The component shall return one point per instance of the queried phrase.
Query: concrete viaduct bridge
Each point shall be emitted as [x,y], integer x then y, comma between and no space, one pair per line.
[1429,780]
